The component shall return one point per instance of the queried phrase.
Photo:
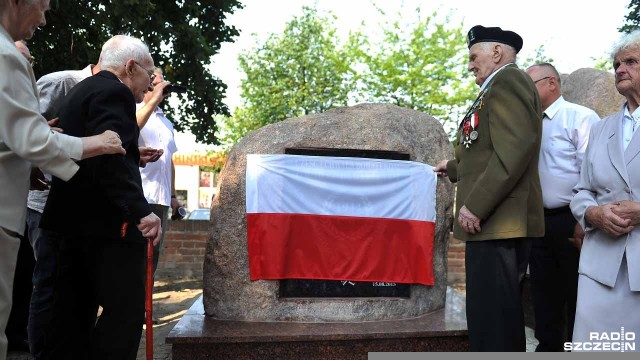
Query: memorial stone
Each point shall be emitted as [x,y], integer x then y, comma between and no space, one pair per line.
[228,292]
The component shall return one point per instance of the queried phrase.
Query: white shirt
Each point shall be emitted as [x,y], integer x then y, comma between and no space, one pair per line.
[630,123]
[156,176]
[565,134]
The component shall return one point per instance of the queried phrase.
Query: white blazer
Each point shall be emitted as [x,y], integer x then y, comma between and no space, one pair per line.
[608,174]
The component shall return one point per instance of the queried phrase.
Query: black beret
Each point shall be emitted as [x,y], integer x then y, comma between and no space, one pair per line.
[480,33]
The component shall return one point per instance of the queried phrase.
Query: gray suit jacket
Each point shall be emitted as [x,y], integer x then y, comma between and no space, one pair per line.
[608,174]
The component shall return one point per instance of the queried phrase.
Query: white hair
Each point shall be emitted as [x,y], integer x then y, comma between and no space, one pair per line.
[509,51]
[120,48]
[626,42]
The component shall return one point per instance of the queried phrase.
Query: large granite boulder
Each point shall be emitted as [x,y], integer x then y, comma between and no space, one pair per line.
[594,89]
[228,292]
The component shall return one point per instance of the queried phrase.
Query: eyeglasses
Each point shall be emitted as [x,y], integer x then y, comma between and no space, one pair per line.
[544,78]
[150,73]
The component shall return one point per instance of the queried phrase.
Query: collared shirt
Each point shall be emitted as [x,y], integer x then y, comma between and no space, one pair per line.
[565,134]
[52,88]
[484,84]
[630,123]
[156,176]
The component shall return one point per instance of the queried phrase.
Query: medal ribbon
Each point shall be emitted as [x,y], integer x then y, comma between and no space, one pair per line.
[475,104]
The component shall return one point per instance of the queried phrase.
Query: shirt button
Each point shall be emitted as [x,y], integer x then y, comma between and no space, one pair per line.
[626,189]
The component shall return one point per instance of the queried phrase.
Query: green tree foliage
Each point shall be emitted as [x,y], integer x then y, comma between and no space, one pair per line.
[306,70]
[182,36]
[422,66]
[303,70]
[632,20]
[603,63]
[537,58]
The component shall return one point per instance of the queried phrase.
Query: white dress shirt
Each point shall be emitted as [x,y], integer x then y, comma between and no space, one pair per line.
[156,176]
[565,134]
[630,123]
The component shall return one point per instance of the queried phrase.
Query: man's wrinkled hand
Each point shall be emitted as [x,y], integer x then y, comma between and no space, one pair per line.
[441,168]
[150,227]
[469,222]
[111,143]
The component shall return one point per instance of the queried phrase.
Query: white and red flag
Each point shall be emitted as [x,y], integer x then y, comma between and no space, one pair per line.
[340,218]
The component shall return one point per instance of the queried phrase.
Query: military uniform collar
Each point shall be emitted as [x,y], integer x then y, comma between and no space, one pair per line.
[486,82]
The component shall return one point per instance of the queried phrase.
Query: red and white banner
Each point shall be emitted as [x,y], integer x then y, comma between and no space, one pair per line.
[340,218]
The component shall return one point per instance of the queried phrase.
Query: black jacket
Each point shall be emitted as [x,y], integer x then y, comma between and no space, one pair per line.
[106,193]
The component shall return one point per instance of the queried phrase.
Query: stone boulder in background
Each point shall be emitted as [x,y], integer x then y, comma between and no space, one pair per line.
[594,89]
[228,292]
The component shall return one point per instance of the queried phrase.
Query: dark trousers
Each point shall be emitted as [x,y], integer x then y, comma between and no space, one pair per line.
[554,279]
[494,271]
[45,247]
[91,273]
[17,324]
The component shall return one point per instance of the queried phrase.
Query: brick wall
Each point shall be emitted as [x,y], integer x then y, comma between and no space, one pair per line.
[183,249]
[456,261]
[185,243]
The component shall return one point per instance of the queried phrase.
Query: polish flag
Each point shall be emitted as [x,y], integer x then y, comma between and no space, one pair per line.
[340,218]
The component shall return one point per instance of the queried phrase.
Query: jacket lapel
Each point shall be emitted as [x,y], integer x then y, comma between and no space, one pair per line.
[614,146]
[633,149]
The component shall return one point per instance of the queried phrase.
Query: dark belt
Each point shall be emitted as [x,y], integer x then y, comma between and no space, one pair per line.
[560,210]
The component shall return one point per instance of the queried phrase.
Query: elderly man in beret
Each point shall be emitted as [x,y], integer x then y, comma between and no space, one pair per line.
[499,199]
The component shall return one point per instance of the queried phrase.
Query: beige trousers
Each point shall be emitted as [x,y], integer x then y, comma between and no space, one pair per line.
[9,245]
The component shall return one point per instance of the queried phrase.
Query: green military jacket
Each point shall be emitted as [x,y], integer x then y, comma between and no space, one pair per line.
[497,173]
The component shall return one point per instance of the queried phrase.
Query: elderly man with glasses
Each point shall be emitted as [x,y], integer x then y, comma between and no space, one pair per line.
[102,216]
[26,140]
[52,89]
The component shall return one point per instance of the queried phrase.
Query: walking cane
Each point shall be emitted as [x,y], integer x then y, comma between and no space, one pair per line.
[148,305]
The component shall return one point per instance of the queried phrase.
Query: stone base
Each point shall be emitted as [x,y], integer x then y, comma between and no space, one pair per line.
[197,336]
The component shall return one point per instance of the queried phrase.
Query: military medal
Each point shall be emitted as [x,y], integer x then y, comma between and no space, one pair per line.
[469,129]
[476,119]
[471,120]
